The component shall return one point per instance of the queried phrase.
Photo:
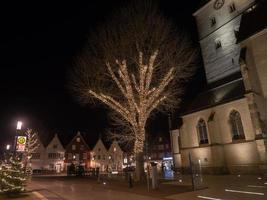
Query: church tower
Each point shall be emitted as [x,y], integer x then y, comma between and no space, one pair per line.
[218,25]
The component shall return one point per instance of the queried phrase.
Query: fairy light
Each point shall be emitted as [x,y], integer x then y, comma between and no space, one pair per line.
[141,98]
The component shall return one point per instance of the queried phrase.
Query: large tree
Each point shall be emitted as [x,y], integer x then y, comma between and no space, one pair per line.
[135,63]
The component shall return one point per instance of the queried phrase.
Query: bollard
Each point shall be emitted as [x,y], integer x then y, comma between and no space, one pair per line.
[154,175]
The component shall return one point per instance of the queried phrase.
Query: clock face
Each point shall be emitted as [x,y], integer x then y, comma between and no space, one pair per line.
[218,4]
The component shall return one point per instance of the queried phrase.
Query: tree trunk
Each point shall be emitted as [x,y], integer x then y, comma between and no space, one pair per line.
[139,170]
[139,156]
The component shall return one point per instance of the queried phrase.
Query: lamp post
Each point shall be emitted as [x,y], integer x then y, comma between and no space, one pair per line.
[18,129]
[19,125]
[8,147]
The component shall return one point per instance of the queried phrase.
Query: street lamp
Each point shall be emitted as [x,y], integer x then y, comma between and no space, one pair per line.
[19,125]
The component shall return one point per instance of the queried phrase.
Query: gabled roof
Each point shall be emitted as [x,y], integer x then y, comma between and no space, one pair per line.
[57,139]
[114,143]
[100,142]
[74,138]
[253,21]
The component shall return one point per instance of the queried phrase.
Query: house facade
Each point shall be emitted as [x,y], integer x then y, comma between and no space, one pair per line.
[38,157]
[99,156]
[115,157]
[224,127]
[77,152]
[54,156]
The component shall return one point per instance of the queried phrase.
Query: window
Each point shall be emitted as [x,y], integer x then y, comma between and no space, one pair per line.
[36,156]
[73,147]
[82,147]
[54,155]
[212,21]
[69,155]
[103,157]
[55,146]
[236,125]
[232,7]
[160,139]
[84,156]
[78,139]
[98,157]
[99,149]
[202,132]
[114,149]
[218,44]
[161,147]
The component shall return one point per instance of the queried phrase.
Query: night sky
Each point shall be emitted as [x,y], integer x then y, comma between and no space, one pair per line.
[38,45]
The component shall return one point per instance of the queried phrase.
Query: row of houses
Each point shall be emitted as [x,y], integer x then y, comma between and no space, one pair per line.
[55,157]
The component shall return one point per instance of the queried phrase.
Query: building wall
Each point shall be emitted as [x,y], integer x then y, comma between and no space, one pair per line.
[115,157]
[254,72]
[54,148]
[38,157]
[99,156]
[256,62]
[77,152]
[222,62]
[222,153]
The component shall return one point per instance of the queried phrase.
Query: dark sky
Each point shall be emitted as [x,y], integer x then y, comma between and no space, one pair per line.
[38,43]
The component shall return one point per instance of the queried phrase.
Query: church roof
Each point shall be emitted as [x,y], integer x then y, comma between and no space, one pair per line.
[253,21]
[216,96]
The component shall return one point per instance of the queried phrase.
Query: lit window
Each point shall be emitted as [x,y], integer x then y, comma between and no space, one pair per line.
[212,21]
[160,139]
[78,139]
[236,125]
[202,132]
[73,147]
[114,149]
[232,7]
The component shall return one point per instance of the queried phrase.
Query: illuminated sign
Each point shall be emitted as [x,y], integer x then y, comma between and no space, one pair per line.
[21,143]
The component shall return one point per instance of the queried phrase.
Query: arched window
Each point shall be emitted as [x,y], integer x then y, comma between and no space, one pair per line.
[202,132]
[236,125]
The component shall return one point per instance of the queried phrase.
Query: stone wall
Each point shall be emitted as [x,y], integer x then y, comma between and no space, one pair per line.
[221,154]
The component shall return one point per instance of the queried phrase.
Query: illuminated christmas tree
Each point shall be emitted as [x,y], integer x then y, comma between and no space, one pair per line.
[31,146]
[13,176]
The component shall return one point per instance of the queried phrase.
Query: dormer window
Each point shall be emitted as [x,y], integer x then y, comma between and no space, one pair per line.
[218,44]
[78,139]
[212,21]
[232,8]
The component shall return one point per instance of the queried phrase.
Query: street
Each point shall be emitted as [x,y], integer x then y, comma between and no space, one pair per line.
[219,188]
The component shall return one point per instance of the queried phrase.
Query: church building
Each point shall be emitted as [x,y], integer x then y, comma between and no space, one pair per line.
[224,127]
